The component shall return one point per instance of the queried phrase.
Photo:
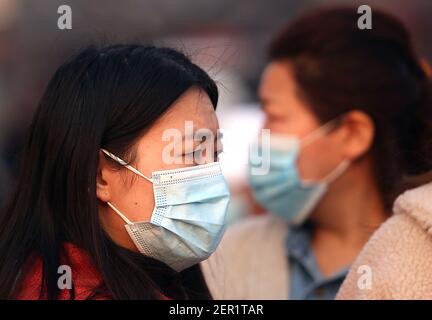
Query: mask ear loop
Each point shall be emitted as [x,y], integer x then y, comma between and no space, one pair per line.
[337,172]
[120,214]
[124,163]
[309,138]
[321,131]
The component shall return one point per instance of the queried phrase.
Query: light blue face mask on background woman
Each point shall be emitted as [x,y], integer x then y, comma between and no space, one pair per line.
[282,191]
[189,217]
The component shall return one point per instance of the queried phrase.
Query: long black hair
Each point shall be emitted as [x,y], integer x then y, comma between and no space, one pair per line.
[100,98]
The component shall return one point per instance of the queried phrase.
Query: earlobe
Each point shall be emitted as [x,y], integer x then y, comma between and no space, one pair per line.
[102,192]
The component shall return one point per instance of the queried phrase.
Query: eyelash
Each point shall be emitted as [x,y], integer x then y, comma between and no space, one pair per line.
[215,154]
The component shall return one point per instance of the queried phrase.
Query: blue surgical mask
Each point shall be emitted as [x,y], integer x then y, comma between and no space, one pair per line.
[189,217]
[282,191]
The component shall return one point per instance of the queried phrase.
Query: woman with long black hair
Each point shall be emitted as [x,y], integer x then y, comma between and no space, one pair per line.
[95,195]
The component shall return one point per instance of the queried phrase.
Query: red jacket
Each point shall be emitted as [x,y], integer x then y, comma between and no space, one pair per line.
[85,277]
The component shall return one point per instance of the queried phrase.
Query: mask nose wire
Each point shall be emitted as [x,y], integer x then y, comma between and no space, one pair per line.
[124,163]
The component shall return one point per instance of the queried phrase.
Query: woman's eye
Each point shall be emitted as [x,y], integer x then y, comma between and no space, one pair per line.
[199,155]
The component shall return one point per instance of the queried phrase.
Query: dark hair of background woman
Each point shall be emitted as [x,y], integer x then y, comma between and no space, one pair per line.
[339,67]
[101,98]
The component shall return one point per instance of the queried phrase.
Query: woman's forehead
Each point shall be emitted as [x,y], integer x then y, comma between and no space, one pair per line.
[192,108]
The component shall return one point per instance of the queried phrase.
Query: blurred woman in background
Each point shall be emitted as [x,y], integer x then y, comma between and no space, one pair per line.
[349,114]
[95,195]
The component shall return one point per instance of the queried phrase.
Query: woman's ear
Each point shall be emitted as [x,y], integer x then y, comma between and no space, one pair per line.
[102,183]
[359,134]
